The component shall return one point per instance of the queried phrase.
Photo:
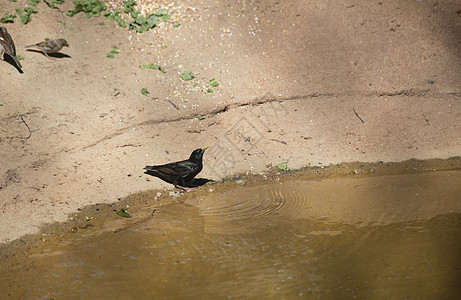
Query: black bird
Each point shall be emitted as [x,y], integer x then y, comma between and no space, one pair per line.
[180,173]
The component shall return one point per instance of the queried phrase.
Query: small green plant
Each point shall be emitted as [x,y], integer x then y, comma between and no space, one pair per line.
[34,2]
[25,16]
[187,75]
[115,16]
[283,166]
[111,53]
[51,3]
[176,25]
[124,213]
[63,23]
[20,57]
[129,6]
[91,8]
[8,18]
[144,91]
[152,66]
[162,14]
[213,82]
[200,117]
[138,22]
[142,24]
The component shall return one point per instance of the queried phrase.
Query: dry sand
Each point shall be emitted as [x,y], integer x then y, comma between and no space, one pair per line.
[76,130]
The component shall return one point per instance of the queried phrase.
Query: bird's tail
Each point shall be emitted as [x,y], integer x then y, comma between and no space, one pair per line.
[16,60]
[150,168]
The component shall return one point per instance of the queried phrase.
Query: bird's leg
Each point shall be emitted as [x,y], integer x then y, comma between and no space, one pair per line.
[183,188]
[46,54]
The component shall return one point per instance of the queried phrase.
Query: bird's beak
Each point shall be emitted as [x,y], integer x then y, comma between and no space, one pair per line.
[206,148]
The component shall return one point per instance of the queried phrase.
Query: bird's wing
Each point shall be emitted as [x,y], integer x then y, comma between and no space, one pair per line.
[40,45]
[7,42]
[182,168]
[52,45]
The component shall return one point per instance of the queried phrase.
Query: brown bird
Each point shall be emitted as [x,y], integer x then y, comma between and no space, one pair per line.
[7,45]
[50,46]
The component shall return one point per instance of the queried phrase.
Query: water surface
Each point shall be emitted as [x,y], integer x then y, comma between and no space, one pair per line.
[379,237]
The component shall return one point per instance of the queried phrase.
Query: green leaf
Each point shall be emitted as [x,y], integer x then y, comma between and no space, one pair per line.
[132,26]
[111,53]
[140,20]
[187,75]
[176,25]
[154,20]
[129,6]
[209,91]
[200,118]
[283,166]
[116,17]
[25,17]
[30,10]
[63,23]
[1,104]
[20,57]
[120,21]
[34,2]
[165,18]
[164,46]
[144,91]
[213,82]
[51,3]
[101,23]
[152,66]
[149,23]
[91,8]
[162,14]
[7,18]
[124,213]
[134,14]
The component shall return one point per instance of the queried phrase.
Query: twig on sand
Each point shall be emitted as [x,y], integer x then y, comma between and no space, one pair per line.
[358,115]
[30,132]
[136,223]
[174,105]
[275,140]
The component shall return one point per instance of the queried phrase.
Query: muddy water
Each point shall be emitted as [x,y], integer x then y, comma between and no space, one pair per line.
[380,237]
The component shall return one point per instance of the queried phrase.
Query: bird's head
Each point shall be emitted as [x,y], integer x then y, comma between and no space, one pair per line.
[62,42]
[197,155]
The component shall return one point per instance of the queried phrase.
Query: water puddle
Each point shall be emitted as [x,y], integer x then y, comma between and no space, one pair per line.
[375,237]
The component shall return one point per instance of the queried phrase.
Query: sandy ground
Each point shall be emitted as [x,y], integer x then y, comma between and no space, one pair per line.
[76,130]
